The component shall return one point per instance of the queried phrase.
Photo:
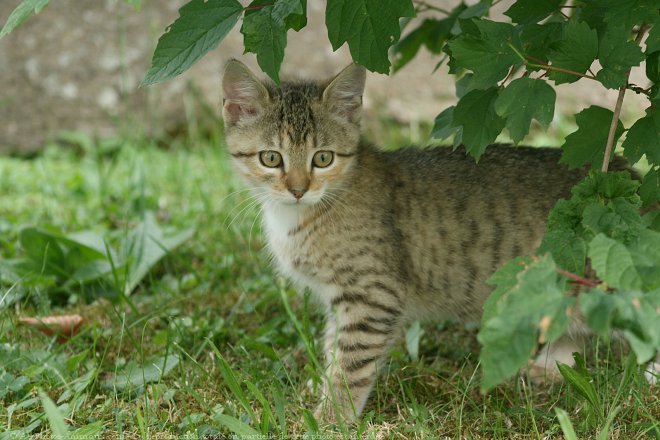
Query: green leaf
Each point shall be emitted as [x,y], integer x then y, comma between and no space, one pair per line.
[653,66]
[56,422]
[532,11]
[581,383]
[610,185]
[232,382]
[599,308]
[489,54]
[645,253]
[21,13]
[604,432]
[643,138]
[522,100]
[133,376]
[566,425]
[529,308]
[443,129]
[44,252]
[575,52]
[144,246]
[505,279]
[639,317]
[201,25]
[475,113]
[297,19]
[369,27]
[538,40]
[650,189]
[613,263]
[431,33]
[617,55]
[91,431]
[618,219]
[264,30]
[628,13]
[653,39]
[587,144]
[567,248]
[237,426]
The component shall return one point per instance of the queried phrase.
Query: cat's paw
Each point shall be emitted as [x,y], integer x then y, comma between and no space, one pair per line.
[329,414]
[543,374]
[543,369]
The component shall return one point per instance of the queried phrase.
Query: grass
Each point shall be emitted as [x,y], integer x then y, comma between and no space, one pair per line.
[213,342]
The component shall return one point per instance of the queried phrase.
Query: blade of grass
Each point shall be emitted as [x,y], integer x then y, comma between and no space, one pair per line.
[580,383]
[58,426]
[604,433]
[267,414]
[231,381]
[566,425]
[237,426]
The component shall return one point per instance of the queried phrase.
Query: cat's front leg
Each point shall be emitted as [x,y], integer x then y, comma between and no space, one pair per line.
[360,330]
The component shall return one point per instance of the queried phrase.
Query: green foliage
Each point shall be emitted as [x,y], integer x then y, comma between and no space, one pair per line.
[617,55]
[477,119]
[532,11]
[133,376]
[200,27]
[605,203]
[586,145]
[85,262]
[528,307]
[264,29]
[575,52]
[21,13]
[522,100]
[369,27]
[432,34]
[488,49]
[600,221]
[643,138]
[578,379]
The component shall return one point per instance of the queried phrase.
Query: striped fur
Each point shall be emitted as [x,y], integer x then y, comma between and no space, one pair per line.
[381,238]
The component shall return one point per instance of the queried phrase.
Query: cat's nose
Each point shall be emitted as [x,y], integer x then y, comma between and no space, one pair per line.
[298,192]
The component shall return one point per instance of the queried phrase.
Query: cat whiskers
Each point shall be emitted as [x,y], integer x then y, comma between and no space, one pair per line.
[247,204]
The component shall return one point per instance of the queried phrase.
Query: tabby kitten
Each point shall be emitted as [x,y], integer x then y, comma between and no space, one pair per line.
[381,238]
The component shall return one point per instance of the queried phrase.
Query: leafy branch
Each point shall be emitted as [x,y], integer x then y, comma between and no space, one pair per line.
[538,64]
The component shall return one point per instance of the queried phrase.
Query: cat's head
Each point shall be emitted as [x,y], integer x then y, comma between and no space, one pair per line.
[296,142]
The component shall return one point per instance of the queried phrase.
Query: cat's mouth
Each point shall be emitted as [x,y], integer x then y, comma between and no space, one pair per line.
[290,200]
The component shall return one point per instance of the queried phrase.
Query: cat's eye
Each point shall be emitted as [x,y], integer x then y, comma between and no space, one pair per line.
[322,159]
[270,158]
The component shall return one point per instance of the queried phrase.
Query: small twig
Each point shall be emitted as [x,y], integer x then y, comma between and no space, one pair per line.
[254,8]
[541,65]
[639,90]
[609,146]
[577,279]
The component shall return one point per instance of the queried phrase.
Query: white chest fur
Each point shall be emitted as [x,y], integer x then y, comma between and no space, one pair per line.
[279,221]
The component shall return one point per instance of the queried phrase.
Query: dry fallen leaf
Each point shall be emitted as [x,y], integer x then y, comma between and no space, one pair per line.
[63,326]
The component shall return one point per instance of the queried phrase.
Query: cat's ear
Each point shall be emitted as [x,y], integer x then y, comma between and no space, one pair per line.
[244,95]
[344,93]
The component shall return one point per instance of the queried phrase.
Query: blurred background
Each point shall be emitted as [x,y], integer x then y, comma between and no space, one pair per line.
[76,66]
